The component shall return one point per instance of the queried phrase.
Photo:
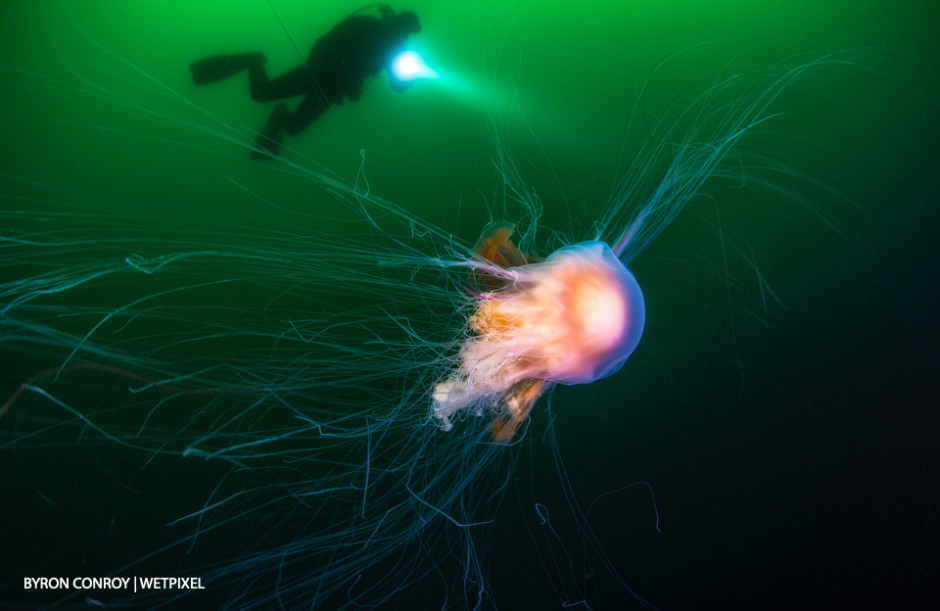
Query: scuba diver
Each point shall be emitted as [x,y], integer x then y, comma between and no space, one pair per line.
[359,47]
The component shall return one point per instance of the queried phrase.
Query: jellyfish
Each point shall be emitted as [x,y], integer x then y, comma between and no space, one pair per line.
[573,318]
[317,397]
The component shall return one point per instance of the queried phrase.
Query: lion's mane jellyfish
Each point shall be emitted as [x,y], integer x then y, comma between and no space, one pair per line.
[572,318]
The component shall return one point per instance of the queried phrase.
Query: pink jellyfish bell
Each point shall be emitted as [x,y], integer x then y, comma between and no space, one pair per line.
[570,319]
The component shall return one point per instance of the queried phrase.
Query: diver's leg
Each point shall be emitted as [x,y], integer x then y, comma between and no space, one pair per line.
[269,140]
[312,106]
[294,82]
[218,67]
[284,121]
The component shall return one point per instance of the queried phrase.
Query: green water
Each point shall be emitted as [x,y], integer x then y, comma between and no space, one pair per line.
[790,446]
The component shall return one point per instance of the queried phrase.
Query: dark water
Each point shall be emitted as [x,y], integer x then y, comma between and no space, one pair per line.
[791,448]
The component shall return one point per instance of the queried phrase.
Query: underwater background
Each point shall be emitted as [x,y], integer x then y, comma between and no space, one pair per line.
[791,448]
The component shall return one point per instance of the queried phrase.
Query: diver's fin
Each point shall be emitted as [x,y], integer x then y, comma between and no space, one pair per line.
[218,67]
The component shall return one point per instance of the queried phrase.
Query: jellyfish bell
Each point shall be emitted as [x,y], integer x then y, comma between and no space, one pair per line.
[571,319]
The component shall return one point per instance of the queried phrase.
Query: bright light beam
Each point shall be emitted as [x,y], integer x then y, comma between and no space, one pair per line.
[409,66]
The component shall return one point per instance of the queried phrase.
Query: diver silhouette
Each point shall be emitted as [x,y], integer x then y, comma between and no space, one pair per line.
[359,47]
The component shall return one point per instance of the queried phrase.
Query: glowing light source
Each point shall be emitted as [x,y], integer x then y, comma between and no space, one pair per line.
[409,66]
